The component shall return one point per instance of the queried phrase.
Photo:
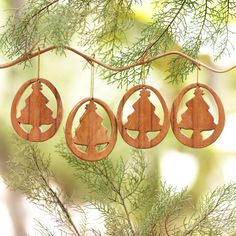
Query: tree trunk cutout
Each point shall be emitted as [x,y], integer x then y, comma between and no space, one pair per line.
[143,119]
[36,112]
[197,117]
[91,131]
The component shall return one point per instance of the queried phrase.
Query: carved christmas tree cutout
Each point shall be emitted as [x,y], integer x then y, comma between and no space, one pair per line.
[36,114]
[91,131]
[197,118]
[143,119]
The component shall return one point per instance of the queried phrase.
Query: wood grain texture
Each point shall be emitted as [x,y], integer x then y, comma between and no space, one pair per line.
[36,112]
[90,131]
[197,117]
[143,119]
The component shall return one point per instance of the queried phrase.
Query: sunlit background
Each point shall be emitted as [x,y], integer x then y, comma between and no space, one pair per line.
[178,165]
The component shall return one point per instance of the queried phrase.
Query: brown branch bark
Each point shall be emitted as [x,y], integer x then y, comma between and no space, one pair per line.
[90,59]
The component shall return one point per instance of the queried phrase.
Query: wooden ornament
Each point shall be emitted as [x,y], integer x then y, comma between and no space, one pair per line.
[143,119]
[90,132]
[197,117]
[36,112]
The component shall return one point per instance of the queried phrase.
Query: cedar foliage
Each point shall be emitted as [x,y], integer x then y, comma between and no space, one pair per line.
[103,27]
[123,191]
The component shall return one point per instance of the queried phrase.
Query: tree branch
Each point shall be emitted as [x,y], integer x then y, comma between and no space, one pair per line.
[164,31]
[54,194]
[195,225]
[89,58]
[44,8]
[122,200]
[166,226]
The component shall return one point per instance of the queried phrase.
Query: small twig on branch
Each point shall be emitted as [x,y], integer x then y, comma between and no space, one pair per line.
[122,200]
[198,223]
[164,31]
[44,8]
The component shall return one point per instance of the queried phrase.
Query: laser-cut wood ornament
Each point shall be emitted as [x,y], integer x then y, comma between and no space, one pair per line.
[36,112]
[90,132]
[143,119]
[197,117]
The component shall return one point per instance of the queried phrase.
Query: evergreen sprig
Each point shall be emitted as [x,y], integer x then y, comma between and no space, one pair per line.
[132,204]
[124,192]
[28,172]
[102,27]
[215,214]
[118,190]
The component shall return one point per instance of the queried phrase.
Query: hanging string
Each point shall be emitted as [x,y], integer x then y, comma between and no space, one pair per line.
[197,75]
[143,74]
[38,78]
[92,78]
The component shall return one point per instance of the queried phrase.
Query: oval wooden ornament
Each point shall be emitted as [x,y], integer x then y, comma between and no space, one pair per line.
[90,131]
[143,119]
[36,112]
[197,117]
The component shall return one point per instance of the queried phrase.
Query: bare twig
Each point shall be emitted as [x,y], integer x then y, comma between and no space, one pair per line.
[89,58]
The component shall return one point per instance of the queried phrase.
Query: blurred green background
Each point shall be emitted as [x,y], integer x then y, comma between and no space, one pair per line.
[175,164]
